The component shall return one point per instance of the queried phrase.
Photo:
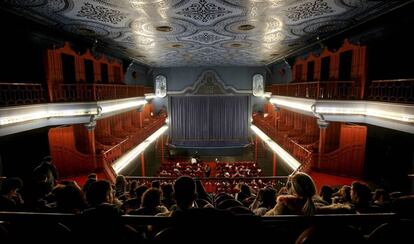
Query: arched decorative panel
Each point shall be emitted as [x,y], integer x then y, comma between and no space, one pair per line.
[258,85]
[160,86]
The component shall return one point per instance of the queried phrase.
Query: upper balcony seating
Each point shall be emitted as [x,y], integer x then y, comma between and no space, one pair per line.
[13,94]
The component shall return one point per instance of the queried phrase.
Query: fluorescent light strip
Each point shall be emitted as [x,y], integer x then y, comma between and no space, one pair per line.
[357,108]
[121,106]
[305,106]
[45,115]
[291,161]
[337,110]
[149,96]
[365,111]
[127,158]
[267,95]
[390,115]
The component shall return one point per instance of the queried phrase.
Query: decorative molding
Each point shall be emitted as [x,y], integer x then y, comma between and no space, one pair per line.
[209,83]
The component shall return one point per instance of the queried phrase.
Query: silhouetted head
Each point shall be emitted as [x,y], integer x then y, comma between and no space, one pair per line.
[185,192]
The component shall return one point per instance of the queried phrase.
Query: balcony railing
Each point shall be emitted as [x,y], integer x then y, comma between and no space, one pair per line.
[400,91]
[290,143]
[94,92]
[317,90]
[12,94]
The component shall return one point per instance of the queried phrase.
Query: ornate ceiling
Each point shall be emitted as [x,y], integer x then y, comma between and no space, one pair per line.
[167,33]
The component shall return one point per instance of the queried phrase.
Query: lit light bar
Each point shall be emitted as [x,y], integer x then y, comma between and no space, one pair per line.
[391,112]
[127,158]
[300,104]
[291,161]
[30,113]
[397,112]
[267,95]
[149,96]
[121,106]
[46,115]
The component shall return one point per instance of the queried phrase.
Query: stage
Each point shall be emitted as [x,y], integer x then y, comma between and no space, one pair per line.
[187,151]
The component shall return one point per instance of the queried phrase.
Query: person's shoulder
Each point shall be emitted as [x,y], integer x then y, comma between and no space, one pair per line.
[287,199]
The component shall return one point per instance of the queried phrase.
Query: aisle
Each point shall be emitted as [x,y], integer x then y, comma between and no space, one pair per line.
[208,185]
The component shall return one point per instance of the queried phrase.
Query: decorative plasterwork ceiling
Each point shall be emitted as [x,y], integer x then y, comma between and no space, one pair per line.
[168,33]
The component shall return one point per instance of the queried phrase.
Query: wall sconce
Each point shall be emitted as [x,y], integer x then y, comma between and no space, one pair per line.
[258,85]
[160,86]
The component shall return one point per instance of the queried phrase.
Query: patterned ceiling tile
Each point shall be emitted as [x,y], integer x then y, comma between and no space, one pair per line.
[206,12]
[100,13]
[87,29]
[274,37]
[167,33]
[325,27]
[311,10]
[206,37]
[308,10]
[85,10]
[207,51]
[172,28]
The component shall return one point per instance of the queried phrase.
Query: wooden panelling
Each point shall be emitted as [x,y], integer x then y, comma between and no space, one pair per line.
[338,149]
[68,160]
[348,158]
[358,66]
[54,68]
[332,136]
[76,150]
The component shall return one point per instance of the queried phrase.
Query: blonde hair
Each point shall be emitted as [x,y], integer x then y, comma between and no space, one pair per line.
[303,186]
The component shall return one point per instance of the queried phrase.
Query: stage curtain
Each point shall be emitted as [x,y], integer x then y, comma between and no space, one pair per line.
[209,120]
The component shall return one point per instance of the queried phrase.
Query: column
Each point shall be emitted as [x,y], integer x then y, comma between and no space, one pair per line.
[162,148]
[142,164]
[255,149]
[322,138]
[91,142]
[274,164]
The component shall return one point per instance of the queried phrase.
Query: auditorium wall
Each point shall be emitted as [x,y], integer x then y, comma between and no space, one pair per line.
[137,74]
[279,73]
[239,77]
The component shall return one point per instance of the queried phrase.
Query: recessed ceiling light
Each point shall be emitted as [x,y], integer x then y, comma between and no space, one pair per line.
[164,28]
[86,31]
[176,45]
[236,45]
[246,27]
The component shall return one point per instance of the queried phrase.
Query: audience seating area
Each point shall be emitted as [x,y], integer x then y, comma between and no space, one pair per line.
[243,205]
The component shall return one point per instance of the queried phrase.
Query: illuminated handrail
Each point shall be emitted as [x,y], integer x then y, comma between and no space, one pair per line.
[107,157]
[293,147]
